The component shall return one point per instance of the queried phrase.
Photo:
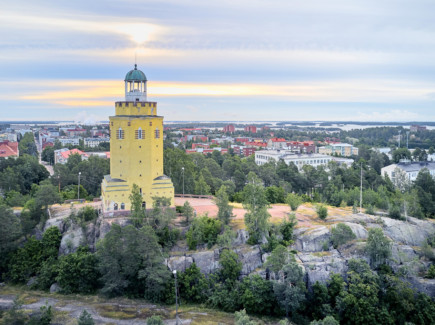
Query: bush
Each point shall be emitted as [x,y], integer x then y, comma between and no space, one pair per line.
[294,201]
[78,272]
[230,265]
[85,319]
[193,285]
[155,320]
[431,272]
[370,209]
[243,319]
[204,230]
[322,211]
[341,234]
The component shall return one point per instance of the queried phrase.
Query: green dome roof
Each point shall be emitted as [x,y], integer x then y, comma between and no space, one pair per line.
[135,75]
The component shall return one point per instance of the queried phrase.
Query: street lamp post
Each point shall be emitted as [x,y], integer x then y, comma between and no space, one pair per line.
[78,188]
[182,171]
[176,298]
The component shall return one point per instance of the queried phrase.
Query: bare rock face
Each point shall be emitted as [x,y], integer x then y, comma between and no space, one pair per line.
[207,261]
[359,231]
[242,237]
[320,266]
[251,259]
[179,263]
[312,239]
[426,286]
[414,232]
[71,240]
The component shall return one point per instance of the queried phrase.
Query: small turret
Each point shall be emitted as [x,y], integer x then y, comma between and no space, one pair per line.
[135,86]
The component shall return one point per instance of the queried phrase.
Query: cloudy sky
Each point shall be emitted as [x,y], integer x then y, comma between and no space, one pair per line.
[371,60]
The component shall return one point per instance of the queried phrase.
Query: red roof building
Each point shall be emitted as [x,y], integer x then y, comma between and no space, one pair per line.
[9,149]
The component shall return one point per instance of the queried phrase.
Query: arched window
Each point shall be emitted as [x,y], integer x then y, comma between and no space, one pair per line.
[157,133]
[115,206]
[152,111]
[122,206]
[120,134]
[139,134]
[144,205]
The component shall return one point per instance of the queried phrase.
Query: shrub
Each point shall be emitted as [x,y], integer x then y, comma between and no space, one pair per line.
[193,284]
[204,230]
[230,265]
[370,209]
[243,319]
[155,320]
[341,234]
[85,319]
[294,201]
[78,272]
[322,211]
[431,272]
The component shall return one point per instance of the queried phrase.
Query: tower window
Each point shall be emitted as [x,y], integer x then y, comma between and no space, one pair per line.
[151,123]
[129,123]
[120,134]
[138,134]
[157,133]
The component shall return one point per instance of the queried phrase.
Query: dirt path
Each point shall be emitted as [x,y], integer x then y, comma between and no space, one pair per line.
[66,310]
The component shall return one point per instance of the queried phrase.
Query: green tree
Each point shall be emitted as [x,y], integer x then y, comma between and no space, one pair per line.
[46,195]
[294,201]
[256,295]
[341,234]
[279,257]
[378,247]
[290,289]
[359,304]
[201,186]
[130,262]
[85,318]
[187,212]
[10,231]
[44,316]
[48,155]
[137,210]
[77,272]
[193,285]
[255,202]
[225,212]
[328,320]
[401,153]
[230,265]
[425,185]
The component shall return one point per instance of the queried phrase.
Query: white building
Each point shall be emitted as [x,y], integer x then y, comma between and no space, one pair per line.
[95,142]
[343,149]
[71,141]
[406,172]
[315,160]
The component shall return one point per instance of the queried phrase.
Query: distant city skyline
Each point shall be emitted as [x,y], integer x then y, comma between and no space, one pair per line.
[341,60]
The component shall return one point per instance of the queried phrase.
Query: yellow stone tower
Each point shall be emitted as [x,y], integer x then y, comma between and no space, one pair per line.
[136,149]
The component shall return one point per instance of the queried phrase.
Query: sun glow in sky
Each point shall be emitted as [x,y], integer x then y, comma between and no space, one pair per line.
[221,60]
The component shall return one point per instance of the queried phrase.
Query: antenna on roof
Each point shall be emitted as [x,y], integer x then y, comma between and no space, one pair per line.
[135,58]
